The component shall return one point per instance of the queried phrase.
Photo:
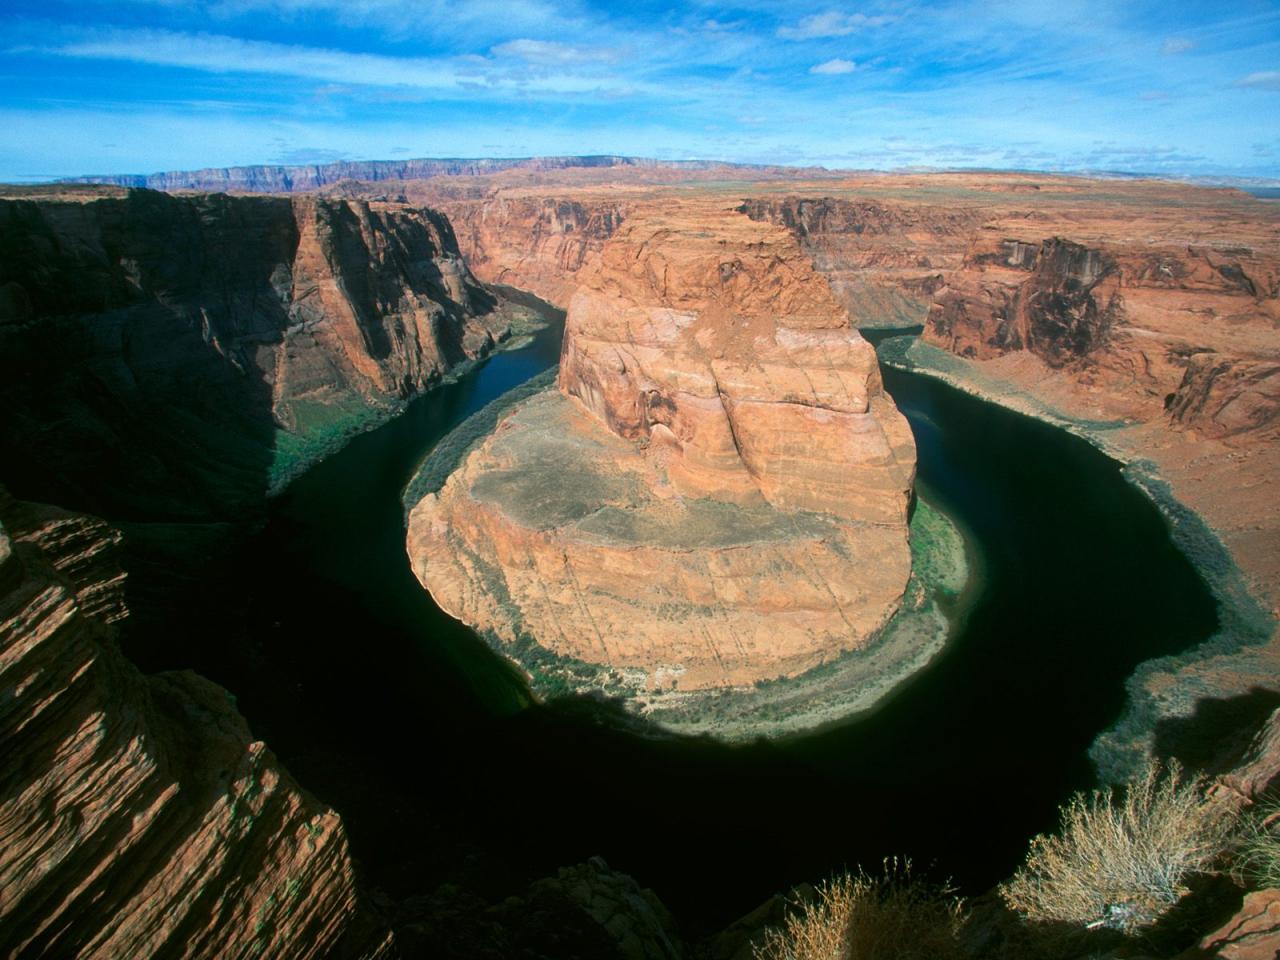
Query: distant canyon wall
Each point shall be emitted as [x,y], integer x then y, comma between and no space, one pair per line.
[171,357]
[272,178]
[885,261]
[542,244]
[1186,329]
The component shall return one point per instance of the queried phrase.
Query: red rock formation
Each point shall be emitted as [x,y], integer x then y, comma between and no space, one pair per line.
[884,260]
[537,243]
[717,495]
[194,350]
[138,817]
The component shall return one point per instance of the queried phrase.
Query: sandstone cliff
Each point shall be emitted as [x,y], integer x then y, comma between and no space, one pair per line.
[718,491]
[1156,325]
[138,817]
[884,259]
[537,243]
[175,357]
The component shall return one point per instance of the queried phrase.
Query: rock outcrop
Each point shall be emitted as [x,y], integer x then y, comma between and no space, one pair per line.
[138,817]
[718,491]
[174,357]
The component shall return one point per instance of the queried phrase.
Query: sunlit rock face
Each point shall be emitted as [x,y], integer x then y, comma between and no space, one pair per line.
[138,816]
[717,492]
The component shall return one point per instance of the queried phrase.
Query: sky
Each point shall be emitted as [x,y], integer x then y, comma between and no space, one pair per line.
[139,86]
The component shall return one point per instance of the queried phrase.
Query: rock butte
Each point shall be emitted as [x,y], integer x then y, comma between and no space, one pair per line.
[716,494]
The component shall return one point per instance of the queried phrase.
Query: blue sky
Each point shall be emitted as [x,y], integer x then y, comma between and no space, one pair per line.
[136,86]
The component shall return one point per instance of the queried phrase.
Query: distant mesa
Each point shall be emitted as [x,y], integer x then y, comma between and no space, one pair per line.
[268,178]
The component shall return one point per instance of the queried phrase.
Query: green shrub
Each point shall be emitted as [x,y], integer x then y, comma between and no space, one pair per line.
[1120,862]
[892,917]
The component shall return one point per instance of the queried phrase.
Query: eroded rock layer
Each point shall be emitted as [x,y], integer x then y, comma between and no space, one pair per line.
[176,356]
[138,817]
[718,491]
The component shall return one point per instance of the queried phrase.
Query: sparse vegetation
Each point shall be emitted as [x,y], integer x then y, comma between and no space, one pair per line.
[1120,861]
[1258,861]
[859,917]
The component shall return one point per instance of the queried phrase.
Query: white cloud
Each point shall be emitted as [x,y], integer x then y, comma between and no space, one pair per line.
[1175,45]
[830,24]
[833,67]
[223,54]
[1262,80]
[552,53]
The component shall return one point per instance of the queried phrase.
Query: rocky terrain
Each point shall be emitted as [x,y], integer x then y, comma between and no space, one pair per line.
[138,816]
[177,357]
[717,493]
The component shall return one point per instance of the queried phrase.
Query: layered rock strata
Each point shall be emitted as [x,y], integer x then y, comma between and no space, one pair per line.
[138,816]
[176,356]
[537,243]
[717,492]
[884,260]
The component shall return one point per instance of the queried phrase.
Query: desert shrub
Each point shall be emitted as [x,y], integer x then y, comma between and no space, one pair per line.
[859,917]
[1258,859]
[1120,861]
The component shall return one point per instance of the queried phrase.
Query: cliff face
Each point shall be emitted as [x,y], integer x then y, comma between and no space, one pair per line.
[174,357]
[137,816]
[717,492]
[884,260]
[537,243]
[1149,327]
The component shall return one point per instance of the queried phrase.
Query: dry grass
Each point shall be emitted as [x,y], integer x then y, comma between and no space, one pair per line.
[1258,860]
[893,917]
[1120,862]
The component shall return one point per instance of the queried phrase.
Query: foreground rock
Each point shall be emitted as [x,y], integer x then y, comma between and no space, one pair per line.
[194,352]
[138,817]
[716,494]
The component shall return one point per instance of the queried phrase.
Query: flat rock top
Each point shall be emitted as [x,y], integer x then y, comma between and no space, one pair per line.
[551,466]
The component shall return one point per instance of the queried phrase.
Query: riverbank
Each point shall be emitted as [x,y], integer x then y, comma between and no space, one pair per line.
[855,683]
[326,428]
[1229,540]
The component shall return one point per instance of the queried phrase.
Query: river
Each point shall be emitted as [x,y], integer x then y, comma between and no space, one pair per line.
[428,744]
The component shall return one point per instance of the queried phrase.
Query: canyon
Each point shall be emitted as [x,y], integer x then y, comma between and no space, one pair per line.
[172,358]
[178,358]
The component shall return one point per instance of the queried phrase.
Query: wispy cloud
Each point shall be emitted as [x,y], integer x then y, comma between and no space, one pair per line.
[833,23]
[223,54]
[833,67]
[553,53]
[1176,45]
[1261,80]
